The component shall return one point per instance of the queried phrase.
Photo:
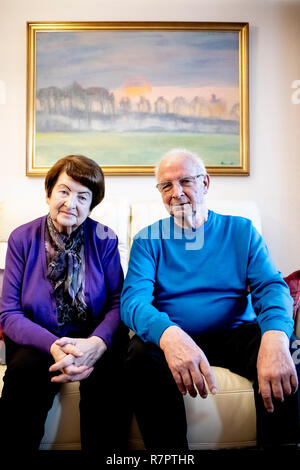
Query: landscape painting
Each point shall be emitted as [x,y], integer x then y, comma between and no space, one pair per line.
[126,93]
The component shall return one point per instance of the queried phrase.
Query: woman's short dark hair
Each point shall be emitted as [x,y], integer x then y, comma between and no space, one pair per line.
[81,169]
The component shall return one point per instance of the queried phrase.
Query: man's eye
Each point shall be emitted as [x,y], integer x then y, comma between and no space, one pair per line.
[185,181]
[166,186]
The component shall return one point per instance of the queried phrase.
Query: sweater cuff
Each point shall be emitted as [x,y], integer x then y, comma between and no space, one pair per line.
[157,330]
[47,342]
[104,333]
[276,325]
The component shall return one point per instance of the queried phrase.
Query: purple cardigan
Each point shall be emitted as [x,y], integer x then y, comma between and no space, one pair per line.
[28,312]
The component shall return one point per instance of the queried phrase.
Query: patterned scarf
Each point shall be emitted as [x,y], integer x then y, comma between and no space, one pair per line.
[65,260]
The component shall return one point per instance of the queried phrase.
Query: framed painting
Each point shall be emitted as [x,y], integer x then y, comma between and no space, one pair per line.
[124,93]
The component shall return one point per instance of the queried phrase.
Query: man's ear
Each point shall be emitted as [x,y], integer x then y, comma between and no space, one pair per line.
[206,182]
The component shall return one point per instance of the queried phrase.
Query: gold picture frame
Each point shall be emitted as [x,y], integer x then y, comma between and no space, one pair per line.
[124,93]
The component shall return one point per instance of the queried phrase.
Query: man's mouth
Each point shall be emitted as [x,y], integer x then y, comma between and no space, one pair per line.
[180,204]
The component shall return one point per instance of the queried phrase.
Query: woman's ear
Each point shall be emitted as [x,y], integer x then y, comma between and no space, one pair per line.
[47,197]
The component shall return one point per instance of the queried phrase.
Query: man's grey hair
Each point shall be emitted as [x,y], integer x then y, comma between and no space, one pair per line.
[187,153]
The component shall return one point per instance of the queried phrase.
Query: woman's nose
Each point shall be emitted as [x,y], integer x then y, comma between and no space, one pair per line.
[70,201]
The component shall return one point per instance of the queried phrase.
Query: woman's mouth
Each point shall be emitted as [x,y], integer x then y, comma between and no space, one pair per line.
[69,214]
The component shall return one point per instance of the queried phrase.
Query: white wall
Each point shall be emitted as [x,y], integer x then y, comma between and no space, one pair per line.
[274,120]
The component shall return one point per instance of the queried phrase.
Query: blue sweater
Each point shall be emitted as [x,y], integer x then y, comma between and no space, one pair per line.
[200,280]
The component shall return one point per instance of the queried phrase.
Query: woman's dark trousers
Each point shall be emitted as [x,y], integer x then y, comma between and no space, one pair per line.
[28,395]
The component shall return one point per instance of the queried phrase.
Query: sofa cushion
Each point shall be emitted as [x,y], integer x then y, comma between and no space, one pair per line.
[2,352]
[115,214]
[233,405]
[63,421]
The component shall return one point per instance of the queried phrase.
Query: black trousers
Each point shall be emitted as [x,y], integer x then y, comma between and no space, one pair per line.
[159,405]
[28,395]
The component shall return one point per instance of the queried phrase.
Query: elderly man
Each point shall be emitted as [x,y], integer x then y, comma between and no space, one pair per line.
[202,290]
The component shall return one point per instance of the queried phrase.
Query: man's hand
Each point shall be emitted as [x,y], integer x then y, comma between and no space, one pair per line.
[187,362]
[275,368]
[75,357]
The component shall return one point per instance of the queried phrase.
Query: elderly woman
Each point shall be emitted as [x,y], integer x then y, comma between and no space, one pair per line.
[60,314]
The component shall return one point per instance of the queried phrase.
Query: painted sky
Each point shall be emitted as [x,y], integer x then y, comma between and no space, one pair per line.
[109,58]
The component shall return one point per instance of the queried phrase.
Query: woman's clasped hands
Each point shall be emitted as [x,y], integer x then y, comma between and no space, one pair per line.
[75,357]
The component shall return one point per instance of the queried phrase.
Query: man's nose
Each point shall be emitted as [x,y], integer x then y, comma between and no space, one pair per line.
[176,189]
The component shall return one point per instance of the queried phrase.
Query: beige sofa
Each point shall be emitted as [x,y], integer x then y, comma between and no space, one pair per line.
[226,420]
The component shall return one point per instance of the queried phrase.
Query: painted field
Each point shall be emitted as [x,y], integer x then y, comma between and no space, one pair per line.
[135,148]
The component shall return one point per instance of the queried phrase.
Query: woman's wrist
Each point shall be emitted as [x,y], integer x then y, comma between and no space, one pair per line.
[99,344]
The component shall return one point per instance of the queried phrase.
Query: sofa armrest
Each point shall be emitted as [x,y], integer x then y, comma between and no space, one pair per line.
[297,323]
